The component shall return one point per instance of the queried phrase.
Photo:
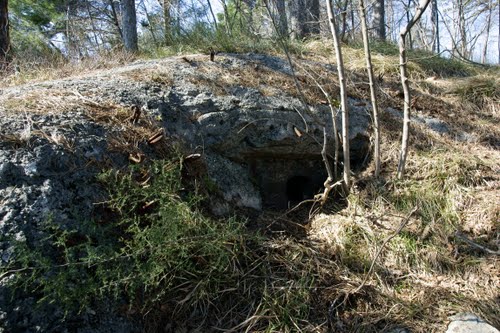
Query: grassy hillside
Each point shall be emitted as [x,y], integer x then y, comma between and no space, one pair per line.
[393,254]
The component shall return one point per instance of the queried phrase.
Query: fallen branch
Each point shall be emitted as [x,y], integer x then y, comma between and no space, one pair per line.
[462,237]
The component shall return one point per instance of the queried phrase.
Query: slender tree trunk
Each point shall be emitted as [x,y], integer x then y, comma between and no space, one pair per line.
[115,18]
[212,13]
[344,21]
[150,26]
[379,19]
[282,20]
[227,19]
[343,96]
[352,20]
[129,25]
[373,96]
[462,29]
[250,15]
[167,21]
[435,26]
[297,9]
[4,33]
[488,28]
[93,25]
[406,85]
[408,19]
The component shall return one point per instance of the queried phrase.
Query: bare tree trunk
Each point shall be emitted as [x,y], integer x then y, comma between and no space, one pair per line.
[129,25]
[304,18]
[4,33]
[115,18]
[167,21]
[212,13]
[227,19]
[435,27]
[406,86]
[373,95]
[353,31]
[150,26]
[251,4]
[408,19]
[343,96]
[379,19]
[92,24]
[343,14]
[462,29]
[488,28]
[283,23]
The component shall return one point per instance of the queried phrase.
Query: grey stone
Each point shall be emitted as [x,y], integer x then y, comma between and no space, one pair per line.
[399,330]
[256,149]
[434,124]
[469,323]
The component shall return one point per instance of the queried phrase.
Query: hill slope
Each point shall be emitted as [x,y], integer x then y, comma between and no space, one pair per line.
[235,133]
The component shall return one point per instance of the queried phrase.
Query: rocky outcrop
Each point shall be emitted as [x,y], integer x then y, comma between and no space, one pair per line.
[469,323]
[260,147]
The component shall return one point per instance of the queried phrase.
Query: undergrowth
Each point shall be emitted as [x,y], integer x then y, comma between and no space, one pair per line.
[161,257]
[159,249]
[155,255]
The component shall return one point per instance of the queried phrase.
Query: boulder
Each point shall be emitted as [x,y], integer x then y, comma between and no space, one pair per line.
[469,323]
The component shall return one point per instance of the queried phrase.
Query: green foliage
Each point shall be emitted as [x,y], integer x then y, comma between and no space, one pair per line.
[32,25]
[160,256]
[202,39]
[157,243]
[38,13]
[235,20]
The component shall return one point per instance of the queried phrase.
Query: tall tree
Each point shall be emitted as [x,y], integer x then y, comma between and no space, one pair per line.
[167,26]
[129,25]
[461,27]
[488,28]
[379,19]
[4,32]
[406,85]
[343,96]
[282,20]
[114,18]
[408,20]
[435,27]
[373,95]
[304,16]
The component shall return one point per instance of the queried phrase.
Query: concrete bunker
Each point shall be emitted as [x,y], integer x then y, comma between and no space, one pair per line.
[286,181]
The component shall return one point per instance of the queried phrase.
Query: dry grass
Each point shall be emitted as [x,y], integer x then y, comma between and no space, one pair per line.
[42,101]
[23,71]
[269,82]
[425,273]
